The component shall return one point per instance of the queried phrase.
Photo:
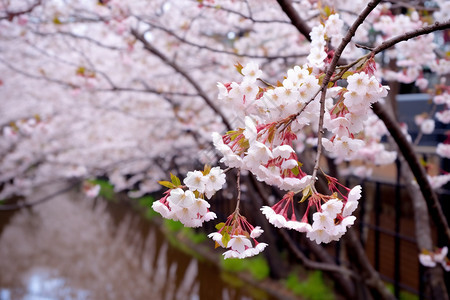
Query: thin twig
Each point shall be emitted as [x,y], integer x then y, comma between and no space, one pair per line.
[10,207]
[242,15]
[319,134]
[10,15]
[232,53]
[314,264]
[180,71]
[238,186]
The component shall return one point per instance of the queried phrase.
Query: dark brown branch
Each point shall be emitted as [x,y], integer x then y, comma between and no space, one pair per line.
[314,264]
[320,133]
[411,34]
[348,37]
[371,277]
[180,71]
[43,77]
[10,15]
[434,276]
[368,274]
[9,207]
[289,10]
[419,173]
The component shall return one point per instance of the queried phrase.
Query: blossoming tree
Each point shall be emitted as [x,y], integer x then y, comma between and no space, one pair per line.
[135,89]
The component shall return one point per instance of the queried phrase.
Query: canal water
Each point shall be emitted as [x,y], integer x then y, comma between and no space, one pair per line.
[71,247]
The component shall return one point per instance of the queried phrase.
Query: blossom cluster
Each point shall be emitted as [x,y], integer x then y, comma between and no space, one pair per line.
[431,259]
[443,116]
[330,221]
[346,118]
[190,208]
[189,205]
[332,31]
[275,165]
[410,56]
[264,146]
[274,117]
[91,190]
[237,234]
[24,127]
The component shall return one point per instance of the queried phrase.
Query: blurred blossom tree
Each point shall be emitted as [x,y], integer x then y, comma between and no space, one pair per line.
[129,90]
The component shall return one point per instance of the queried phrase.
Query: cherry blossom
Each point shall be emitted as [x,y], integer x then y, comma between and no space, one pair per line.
[443,150]
[91,190]
[238,235]
[431,259]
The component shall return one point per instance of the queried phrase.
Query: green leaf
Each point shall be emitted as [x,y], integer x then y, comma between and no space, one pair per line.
[327,11]
[423,162]
[306,193]
[220,225]
[346,74]
[167,184]
[56,21]
[225,239]
[80,71]
[239,68]
[206,170]
[175,180]
[321,78]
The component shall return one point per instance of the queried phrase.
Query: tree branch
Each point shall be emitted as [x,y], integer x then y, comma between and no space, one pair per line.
[9,207]
[242,15]
[419,173]
[369,274]
[289,10]
[178,69]
[435,278]
[205,47]
[411,34]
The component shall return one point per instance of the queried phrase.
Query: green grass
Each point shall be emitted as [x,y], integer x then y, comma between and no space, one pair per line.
[176,226]
[173,226]
[404,295]
[106,189]
[146,203]
[257,266]
[313,288]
